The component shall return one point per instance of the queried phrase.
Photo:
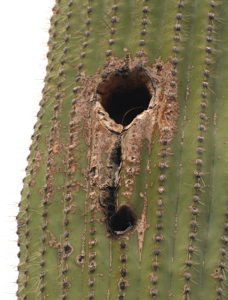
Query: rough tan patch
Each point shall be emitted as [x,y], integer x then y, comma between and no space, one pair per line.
[102,134]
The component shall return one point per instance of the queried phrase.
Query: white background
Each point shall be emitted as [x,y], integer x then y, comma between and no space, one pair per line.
[24,28]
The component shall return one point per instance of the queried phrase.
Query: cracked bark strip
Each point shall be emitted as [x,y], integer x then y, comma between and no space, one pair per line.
[126,103]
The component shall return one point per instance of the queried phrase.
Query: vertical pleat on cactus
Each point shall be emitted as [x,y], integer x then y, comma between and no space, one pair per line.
[125,195]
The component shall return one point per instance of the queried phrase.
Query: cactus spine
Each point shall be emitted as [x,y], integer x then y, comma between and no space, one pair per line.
[125,195]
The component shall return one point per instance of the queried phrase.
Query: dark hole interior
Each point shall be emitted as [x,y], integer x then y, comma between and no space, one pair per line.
[122,220]
[123,106]
[116,154]
[125,97]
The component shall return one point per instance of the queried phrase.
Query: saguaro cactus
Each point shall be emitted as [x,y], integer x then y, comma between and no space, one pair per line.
[126,190]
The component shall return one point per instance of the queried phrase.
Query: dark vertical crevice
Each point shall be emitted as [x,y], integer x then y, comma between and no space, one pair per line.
[114,164]
[118,220]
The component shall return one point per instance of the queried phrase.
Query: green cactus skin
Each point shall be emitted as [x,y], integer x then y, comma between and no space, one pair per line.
[168,174]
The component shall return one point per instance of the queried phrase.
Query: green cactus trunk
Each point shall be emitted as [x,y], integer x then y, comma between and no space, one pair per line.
[126,190]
